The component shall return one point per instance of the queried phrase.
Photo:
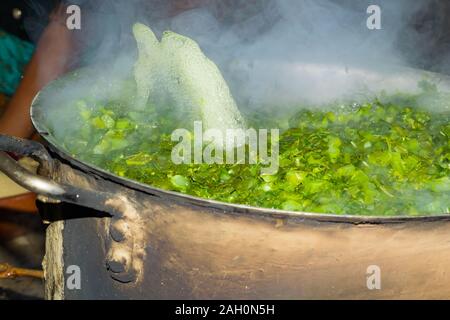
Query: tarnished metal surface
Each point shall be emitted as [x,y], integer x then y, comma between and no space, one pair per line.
[124,236]
[181,250]
[193,252]
[126,248]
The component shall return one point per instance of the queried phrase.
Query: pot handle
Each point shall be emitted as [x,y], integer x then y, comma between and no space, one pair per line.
[123,270]
[36,183]
[29,148]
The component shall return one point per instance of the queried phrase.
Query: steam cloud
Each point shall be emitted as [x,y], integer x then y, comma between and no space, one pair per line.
[270,51]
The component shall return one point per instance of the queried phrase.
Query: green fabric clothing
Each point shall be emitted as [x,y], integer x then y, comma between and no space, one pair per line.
[14,55]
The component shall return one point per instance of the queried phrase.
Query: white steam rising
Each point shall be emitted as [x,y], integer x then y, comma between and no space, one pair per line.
[270,51]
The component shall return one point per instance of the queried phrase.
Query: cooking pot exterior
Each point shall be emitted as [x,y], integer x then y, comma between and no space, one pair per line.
[159,249]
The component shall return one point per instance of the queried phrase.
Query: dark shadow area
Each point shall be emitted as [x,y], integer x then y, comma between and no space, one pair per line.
[67,211]
[22,242]
[8,294]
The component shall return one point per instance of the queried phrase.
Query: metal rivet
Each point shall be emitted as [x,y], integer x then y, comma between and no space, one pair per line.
[115,266]
[116,234]
[124,277]
[17,13]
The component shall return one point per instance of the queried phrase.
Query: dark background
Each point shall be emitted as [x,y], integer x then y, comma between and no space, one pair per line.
[32,13]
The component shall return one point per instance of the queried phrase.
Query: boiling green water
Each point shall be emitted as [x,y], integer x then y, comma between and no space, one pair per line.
[389,156]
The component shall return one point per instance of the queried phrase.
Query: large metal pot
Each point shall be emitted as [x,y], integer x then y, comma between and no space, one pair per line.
[130,240]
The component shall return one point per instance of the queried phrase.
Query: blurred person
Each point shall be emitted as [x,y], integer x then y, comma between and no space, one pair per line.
[52,55]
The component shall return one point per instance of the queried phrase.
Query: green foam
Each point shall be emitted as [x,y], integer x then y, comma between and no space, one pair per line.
[178,66]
